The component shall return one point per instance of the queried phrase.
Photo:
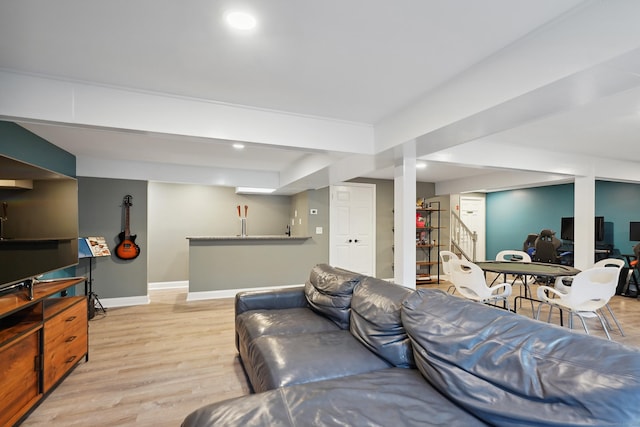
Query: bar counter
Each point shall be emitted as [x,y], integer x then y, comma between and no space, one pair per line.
[219,266]
[247,238]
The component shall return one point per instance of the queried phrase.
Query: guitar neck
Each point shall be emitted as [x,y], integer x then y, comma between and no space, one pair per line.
[127,204]
[127,232]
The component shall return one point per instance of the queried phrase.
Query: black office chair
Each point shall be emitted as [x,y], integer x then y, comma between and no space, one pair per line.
[634,266]
[546,250]
[529,245]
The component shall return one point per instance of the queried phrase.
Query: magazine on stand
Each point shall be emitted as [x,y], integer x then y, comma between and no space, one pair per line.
[93,247]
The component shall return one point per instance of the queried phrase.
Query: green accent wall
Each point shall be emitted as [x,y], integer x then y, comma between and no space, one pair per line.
[511,215]
[20,144]
[619,203]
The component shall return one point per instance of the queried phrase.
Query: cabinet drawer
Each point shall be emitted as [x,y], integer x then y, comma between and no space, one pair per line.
[67,321]
[65,342]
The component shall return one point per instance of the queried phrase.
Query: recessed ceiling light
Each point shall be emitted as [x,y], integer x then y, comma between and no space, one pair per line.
[238,146]
[241,20]
[421,165]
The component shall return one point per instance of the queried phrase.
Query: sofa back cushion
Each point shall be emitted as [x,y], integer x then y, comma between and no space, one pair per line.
[511,370]
[376,321]
[329,292]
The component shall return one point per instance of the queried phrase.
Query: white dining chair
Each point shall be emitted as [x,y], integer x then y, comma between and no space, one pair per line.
[517,256]
[564,284]
[589,292]
[470,282]
[445,258]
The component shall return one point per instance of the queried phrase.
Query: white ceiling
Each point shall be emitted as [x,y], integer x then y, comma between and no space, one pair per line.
[470,82]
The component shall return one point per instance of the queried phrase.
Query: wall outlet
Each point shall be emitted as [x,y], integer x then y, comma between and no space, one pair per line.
[318,230]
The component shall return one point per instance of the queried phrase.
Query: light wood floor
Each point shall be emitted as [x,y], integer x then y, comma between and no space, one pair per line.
[152,365]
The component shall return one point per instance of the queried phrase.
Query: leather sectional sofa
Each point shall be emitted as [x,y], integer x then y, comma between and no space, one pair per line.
[353,350]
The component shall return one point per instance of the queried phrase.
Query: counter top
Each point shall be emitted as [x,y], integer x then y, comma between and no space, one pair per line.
[249,238]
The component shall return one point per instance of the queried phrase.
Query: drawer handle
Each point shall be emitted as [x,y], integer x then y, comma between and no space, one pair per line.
[71,338]
[71,359]
[71,319]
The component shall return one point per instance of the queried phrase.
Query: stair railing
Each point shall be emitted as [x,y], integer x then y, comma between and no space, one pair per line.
[463,240]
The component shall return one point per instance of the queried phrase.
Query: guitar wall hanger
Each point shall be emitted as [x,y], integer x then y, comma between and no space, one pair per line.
[127,248]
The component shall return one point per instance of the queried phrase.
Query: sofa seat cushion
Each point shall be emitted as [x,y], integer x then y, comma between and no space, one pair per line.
[392,397]
[510,370]
[329,292]
[280,360]
[376,322]
[256,323]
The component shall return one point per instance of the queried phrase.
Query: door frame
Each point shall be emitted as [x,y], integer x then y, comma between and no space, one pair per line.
[372,225]
[482,232]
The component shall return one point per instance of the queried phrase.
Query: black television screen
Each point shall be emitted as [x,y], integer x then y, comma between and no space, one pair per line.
[599,228]
[567,230]
[39,221]
[634,231]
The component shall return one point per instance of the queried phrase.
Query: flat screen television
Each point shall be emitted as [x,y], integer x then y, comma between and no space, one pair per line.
[599,232]
[567,228]
[634,231]
[39,211]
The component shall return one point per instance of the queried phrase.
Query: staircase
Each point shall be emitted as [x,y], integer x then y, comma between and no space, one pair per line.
[463,240]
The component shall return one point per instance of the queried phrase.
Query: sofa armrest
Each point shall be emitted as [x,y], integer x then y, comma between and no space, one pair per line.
[271,299]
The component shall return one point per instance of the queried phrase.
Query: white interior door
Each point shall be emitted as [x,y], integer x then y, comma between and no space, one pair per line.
[352,224]
[472,213]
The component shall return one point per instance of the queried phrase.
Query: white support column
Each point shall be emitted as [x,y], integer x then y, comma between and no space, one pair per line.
[584,214]
[404,257]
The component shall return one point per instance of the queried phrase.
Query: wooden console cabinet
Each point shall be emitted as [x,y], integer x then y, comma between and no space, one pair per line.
[41,340]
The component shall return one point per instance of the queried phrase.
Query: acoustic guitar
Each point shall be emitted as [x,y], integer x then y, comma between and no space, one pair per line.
[127,248]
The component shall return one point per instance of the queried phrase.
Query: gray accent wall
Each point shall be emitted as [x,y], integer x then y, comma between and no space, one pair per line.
[101,214]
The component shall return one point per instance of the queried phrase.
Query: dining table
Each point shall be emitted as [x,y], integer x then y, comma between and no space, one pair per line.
[542,272]
[528,268]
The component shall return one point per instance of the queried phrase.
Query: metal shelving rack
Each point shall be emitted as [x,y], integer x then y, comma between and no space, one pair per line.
[428,243]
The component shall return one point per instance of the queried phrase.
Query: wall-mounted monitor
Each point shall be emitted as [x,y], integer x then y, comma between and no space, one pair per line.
[567,228]
[599,228]
[634,231]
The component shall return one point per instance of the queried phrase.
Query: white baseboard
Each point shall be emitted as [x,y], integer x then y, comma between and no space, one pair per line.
[179,284]
[125,301]
[230,293]
[143,299]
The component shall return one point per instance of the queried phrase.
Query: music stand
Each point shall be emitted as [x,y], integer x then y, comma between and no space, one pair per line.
[93,247]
